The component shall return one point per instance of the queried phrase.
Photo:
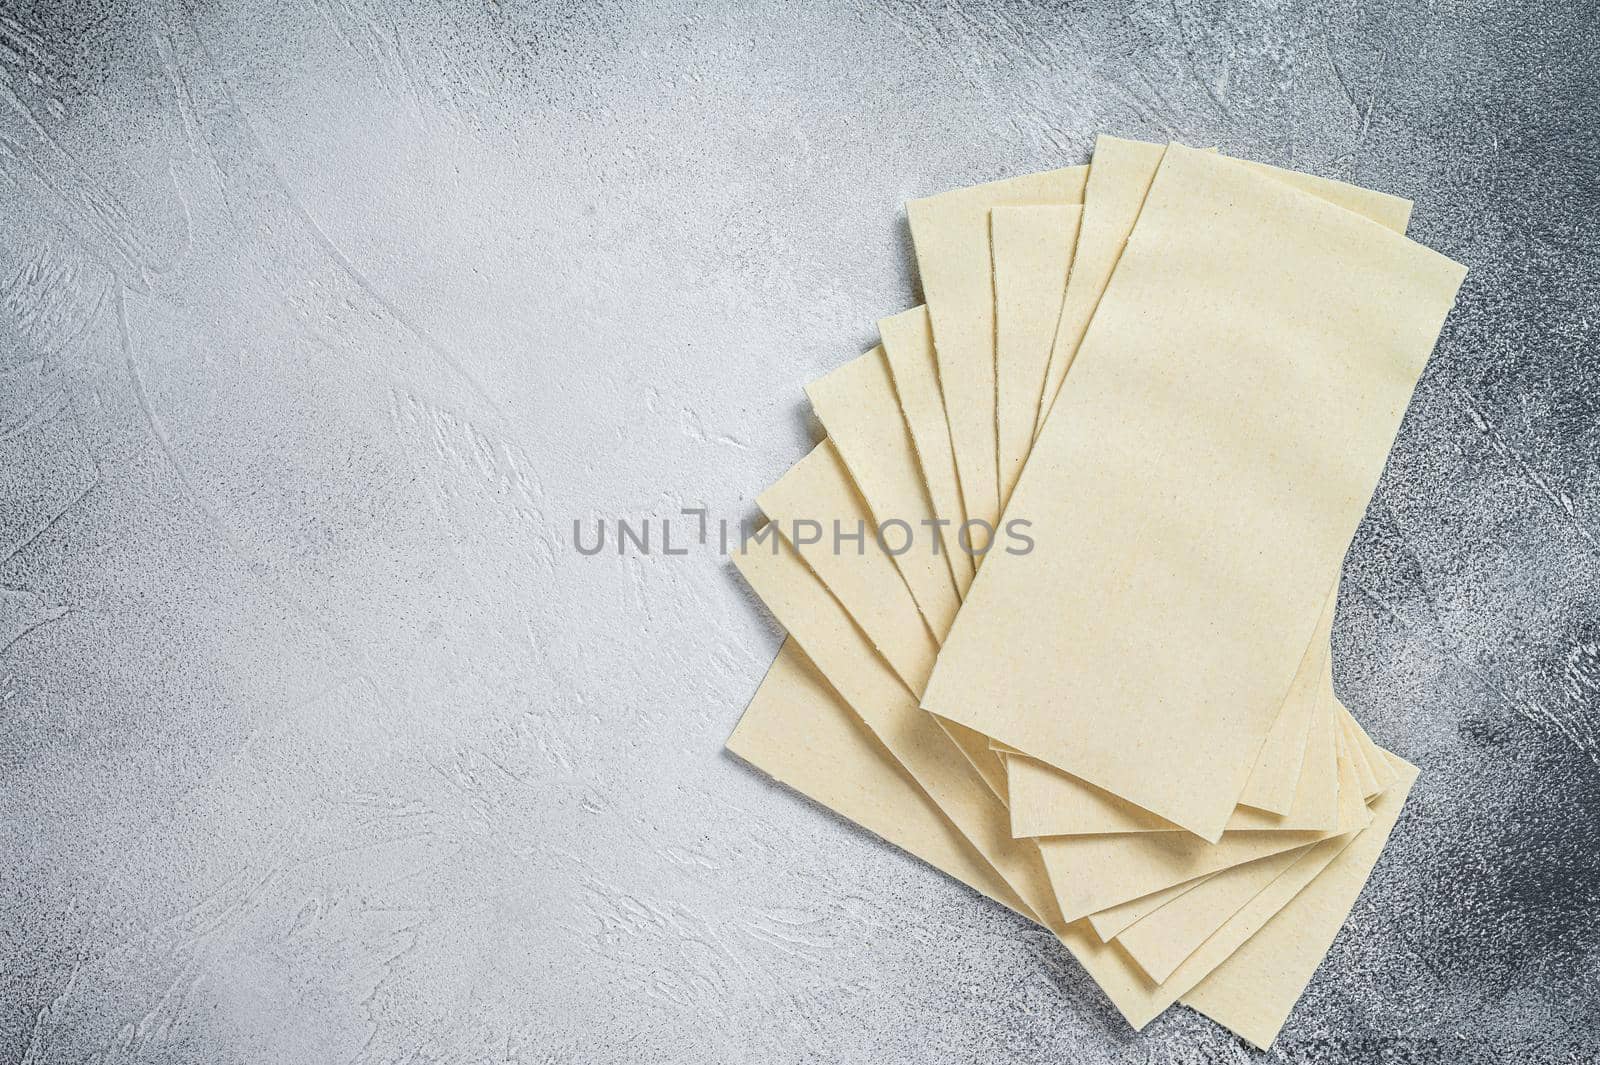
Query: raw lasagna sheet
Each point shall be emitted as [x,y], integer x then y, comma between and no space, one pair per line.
[861,574]
[1161,938]
[1112,920]
[1237,930]
[1093,873]
[1118,182]
[1114,193]
[798,730]
[1120,173]
[1275,778]
[1186,539]
[1252,992]
[824,630]
[908,347]
[807,505]
[975,746]
[1382,765]
[872,448]
[846,729]
[856,404]
[1042,806]
[1047,802]
[801,733]
[951,234]
[1164,939]
[1032,259]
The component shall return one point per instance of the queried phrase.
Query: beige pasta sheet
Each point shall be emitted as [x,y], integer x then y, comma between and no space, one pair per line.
[828,492]
[816,496]
[908,348]
[1092,873]
[818,490]
[1042,806]
[1120,173]
[1253,990]
[1032,248]
[816,607]
[1129,866]
[799,730]
[1160,939]
[857,406]
[825,631]
[1275,777]
[812,505]
[1114,193]
[1270,981]
[1047,802]
[1153,913]
[872,447]
[1377,769]
[1164,939]
[801,733]
[1113,919]
[950,232]
[1148,642]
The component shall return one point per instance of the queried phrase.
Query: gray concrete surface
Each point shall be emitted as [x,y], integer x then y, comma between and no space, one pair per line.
[321,320]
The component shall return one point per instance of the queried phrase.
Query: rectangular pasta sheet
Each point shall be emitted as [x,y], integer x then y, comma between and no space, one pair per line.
[799,731]
[857,406]
[1238,929]
[1119,179]
[1113,919]
[1383,766]
[861,574]
[1032,259]
[795,730]
[1042,806]
[1192,495]
[825,631]
[1093,873]
[817,496]
[1051,803]
[1275,777]
[1364,771]
[1252,992]
[908,347]
[950,232]
[1163,940]
[1120,172]
[975,746]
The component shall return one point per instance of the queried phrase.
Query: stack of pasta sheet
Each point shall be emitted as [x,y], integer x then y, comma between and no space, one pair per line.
[1059,581]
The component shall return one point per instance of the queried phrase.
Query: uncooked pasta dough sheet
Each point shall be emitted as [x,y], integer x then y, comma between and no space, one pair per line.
[1032,249]
[950,232]
[1148,641]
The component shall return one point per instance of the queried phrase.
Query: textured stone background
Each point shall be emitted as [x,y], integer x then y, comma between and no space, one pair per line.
[321,320]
